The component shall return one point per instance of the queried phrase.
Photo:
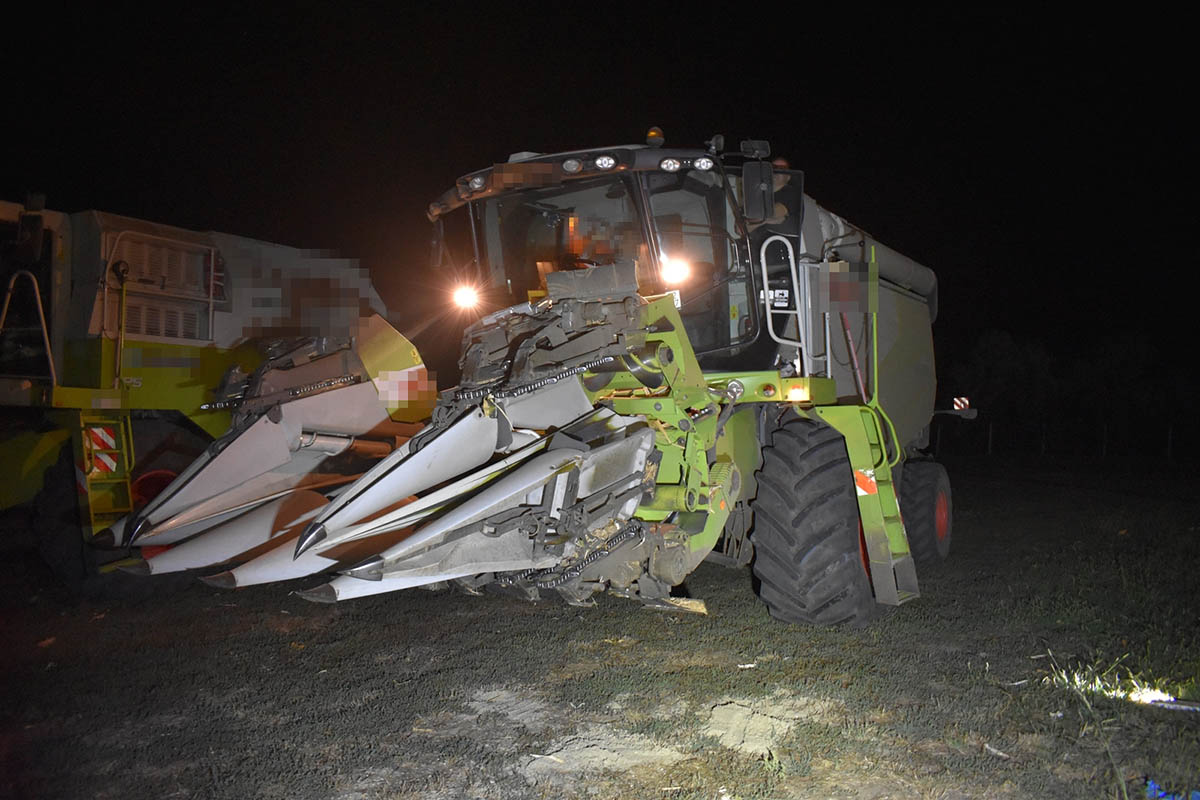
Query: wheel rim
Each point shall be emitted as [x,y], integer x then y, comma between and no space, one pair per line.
[147,485]
[941,517]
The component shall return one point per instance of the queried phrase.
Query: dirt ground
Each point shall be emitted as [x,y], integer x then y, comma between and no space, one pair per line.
[1015,675]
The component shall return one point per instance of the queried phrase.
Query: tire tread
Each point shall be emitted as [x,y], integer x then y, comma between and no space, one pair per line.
[805,535]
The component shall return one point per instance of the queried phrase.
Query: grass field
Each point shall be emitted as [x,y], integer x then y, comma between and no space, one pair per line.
[1026,669]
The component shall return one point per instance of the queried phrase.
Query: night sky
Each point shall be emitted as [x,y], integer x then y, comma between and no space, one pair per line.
[1032,162]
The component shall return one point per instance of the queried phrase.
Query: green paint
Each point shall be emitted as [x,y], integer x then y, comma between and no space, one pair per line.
[883,528]
[684,409]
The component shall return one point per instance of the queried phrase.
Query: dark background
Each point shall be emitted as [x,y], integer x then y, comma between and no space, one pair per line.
[1035,162]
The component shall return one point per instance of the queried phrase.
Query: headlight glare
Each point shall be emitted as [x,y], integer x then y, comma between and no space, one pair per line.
[466,297]
[675,271]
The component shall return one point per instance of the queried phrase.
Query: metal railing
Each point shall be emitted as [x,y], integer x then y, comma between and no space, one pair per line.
[37,294]
[800,308]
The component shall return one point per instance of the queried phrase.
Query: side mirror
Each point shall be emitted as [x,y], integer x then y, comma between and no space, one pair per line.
[437,244]
[758,190]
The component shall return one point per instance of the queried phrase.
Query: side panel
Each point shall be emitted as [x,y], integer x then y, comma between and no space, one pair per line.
[158,375]
[907,379]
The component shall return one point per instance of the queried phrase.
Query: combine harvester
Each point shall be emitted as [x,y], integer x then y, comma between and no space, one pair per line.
[665,370]
[113,333]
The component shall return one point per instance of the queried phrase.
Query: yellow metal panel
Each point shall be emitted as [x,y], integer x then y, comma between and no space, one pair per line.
[395,367]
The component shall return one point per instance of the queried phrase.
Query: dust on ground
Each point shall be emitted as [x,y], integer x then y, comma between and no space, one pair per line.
[1012,676]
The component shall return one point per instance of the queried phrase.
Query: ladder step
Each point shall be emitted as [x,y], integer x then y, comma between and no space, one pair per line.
[906,578]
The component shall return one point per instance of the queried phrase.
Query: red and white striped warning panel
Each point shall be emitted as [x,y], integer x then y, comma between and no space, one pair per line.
[864,482]
[103,462]
[962,403]
[102,437]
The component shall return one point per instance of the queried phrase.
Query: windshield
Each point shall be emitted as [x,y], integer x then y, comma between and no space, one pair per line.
[697,239]
[580,224]
[694,250]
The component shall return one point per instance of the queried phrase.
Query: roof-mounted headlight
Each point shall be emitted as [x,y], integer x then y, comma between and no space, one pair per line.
[669,165]
[703,163]
[605,162]
[477,182]
[572,165]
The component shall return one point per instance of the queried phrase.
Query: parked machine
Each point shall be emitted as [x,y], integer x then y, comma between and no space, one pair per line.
[679,356]
[114,332]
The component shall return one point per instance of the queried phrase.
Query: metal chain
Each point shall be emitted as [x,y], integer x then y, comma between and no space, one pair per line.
[326,384]
[555,578]
[517,391]
[294,391]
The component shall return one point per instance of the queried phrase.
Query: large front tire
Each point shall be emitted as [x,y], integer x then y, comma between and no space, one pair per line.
[806,532]
[57,526]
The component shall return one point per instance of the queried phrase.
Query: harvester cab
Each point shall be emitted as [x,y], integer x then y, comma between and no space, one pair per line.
[676,226]
[677,356]
[762,276]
